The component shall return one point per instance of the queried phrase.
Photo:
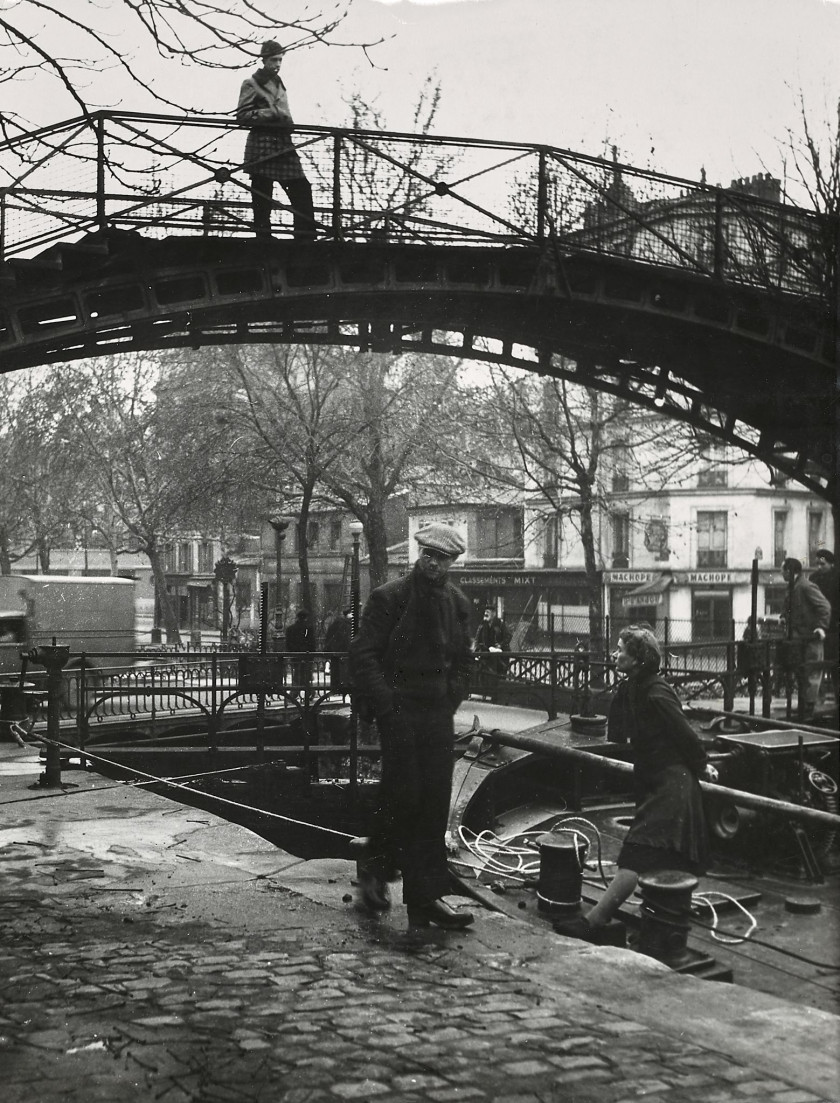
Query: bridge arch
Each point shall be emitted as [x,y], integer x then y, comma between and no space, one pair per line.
[746,352]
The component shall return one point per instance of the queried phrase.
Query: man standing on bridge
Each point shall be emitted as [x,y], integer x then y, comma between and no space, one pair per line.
[269,152]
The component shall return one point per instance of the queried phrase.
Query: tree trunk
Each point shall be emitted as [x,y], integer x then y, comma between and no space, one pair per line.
[5,555]
[377,542]
[168,611]
[43,547]
[593,586]
[303,554]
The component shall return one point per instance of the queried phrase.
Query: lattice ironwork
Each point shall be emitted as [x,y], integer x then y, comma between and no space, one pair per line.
[163,175]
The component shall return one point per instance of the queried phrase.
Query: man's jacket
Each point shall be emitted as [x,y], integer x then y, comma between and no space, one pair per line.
[413,643]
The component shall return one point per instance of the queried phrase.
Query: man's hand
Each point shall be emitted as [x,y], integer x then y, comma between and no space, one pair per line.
[711,773]
[819,633]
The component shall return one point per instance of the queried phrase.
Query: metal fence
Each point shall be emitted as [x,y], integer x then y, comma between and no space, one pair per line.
[160,686]
[166,174]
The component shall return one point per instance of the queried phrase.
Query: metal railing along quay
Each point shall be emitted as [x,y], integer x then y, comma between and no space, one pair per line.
[158,686]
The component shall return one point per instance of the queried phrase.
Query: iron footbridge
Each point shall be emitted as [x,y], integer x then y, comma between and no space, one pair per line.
[125,231]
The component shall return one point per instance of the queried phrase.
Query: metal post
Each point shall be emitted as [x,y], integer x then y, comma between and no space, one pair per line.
[542,197]
[101,216]
[356,528]
[720,244]
[729,678]
[263,651]
[2,225]
[753,631]
[212,731]
[53,659]
[336,196]
[82,710]
[279,525]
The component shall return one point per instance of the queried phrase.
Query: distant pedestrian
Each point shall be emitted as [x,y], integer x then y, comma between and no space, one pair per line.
[668,831]
[411,664]
[491,641]
[299,641]
[337,641]
[826,580]
[807,616]
[269,152]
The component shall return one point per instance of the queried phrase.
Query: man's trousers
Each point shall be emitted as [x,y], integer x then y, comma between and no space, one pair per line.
[410,825]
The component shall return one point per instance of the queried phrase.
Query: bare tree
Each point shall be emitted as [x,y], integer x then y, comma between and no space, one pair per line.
[566,449]
[61,43]
[394,407]
[37,485]
[389,182]
[145,452]
[281,406]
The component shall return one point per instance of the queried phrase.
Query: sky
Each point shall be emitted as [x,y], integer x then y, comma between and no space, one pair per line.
[676,85]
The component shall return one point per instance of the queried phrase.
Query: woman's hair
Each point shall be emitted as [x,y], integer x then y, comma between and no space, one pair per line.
[641,645]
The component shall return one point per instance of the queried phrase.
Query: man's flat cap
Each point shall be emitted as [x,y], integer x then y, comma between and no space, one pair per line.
[442,538]
[271,49]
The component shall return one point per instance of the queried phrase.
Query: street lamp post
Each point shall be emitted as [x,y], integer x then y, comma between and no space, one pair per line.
[356,528]
[279,524]
[356,532]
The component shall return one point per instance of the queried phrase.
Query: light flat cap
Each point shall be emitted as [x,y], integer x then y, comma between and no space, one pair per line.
[442,538]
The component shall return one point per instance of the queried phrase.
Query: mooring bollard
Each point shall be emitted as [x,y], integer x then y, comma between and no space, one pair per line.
[666,915]
[561,872]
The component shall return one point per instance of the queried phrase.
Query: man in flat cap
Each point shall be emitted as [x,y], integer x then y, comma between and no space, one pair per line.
[410,663]
[269,152]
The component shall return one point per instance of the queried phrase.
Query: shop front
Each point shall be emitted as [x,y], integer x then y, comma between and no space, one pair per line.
[637,597]
[539,607]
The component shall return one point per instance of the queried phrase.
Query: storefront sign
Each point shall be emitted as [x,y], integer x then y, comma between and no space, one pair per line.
[500,580]
[694,578]
[630,578]
[630,600]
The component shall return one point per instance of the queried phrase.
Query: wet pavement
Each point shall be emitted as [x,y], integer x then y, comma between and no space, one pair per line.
[153,952]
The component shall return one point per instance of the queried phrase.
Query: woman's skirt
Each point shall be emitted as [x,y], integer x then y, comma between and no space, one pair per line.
[669,817]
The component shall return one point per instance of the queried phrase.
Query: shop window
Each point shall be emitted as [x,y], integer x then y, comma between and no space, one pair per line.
[711,616]
[711,539]
[499,536]
[550,535]
[713,470]
[185,558]
[206,559]
[621,468]
[780,536]
[816,534]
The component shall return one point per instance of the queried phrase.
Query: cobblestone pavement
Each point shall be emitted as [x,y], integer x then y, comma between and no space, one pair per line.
[201,965]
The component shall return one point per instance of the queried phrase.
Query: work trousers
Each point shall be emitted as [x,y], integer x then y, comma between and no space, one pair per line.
[810,674]
[409,830]
[299,193]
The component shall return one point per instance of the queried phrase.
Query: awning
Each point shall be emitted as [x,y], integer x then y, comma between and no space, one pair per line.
[649,593]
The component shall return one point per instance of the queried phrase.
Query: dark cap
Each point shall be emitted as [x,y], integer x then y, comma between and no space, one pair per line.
[441,538]
[271,49]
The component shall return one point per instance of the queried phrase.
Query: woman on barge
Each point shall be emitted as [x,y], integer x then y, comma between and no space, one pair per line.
[669,827]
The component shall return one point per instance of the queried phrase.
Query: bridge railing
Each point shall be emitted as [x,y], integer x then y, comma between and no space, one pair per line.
[164,175]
